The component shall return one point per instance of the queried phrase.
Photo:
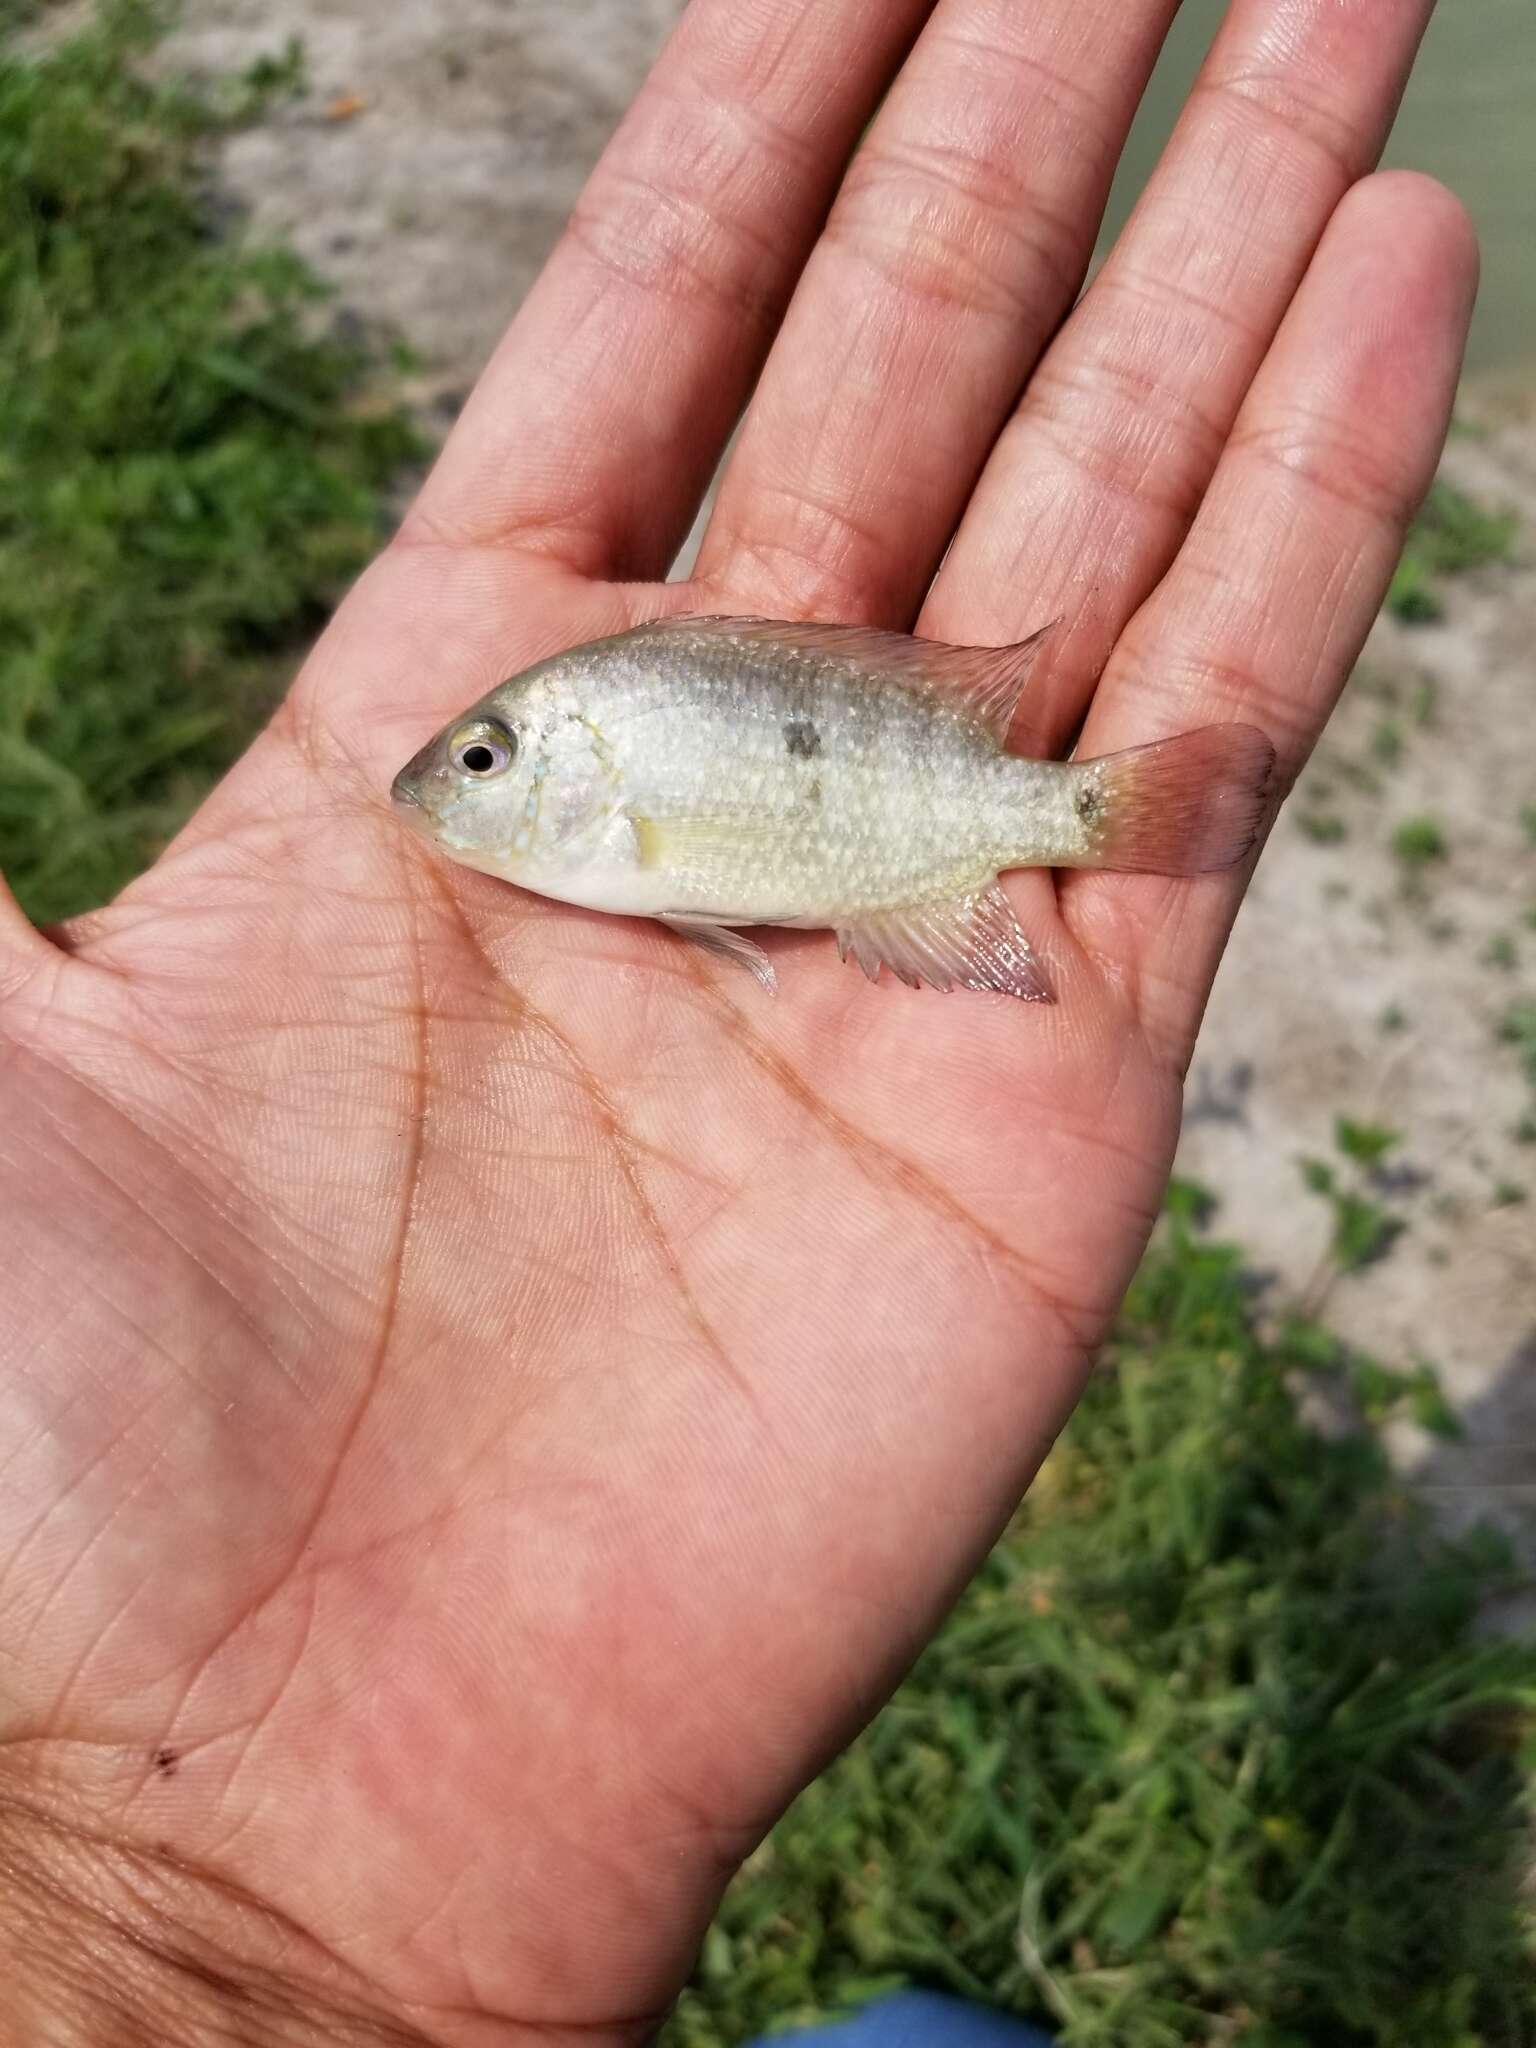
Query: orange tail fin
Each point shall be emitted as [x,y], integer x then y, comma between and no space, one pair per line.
[1185,806]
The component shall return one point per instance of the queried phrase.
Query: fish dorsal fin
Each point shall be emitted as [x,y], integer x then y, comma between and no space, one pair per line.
[988,681]
[974,940]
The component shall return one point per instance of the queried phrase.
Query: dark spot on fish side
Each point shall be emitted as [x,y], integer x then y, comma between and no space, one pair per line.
[802,739]
[1090,804]
[165,1762]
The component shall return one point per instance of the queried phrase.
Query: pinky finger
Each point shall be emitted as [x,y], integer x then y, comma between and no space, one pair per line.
[1265,612]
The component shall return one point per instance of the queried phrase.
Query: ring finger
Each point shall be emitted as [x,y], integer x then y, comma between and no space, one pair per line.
[1095,482]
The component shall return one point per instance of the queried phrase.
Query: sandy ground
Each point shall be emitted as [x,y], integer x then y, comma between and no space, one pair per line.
[1348,991]
[465,132]
[427,172]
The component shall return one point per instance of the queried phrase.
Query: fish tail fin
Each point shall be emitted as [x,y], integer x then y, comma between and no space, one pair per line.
[1185,806]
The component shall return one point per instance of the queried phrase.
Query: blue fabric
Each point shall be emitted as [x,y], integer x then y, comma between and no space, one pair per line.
[919,2019]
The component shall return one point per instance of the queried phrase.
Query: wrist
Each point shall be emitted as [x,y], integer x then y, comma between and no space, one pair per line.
[104,1945]
[109,1942]
[101,1943]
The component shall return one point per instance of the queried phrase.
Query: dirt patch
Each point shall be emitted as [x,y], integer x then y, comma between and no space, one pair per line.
[427,172]
[1362,985]
[429,168]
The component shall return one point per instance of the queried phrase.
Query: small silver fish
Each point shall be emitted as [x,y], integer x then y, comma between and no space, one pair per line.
[714,773]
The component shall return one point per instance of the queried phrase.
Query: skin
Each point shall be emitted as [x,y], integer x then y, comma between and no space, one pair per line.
[486,1403]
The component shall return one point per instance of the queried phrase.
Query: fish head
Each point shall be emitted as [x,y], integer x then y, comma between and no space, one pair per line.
[515,785]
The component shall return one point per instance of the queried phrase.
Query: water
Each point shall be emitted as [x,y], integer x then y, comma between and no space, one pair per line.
[1470,118]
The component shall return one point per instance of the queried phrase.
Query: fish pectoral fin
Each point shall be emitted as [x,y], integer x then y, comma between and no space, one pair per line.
[726,944]
[972,940]
[689,843]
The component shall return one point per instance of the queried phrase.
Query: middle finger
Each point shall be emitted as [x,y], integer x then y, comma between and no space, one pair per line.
[958,242]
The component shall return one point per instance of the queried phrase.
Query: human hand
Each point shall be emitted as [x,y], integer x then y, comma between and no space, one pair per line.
[489,1402]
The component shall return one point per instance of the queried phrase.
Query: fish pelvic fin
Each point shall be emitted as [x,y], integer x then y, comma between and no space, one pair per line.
[971,941]
[725,944]
[1185,806]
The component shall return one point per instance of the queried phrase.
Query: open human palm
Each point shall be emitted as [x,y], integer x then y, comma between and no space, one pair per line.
[488,1400]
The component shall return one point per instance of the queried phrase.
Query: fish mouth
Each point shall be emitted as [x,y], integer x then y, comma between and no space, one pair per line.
[405,801]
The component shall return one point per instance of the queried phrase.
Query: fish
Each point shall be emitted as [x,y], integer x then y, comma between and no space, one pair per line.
[718,773]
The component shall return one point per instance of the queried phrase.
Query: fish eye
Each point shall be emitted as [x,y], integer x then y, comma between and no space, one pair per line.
[483,749]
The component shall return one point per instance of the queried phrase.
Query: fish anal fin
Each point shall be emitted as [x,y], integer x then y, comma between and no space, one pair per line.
[971,941]
[987,681]
[726,944]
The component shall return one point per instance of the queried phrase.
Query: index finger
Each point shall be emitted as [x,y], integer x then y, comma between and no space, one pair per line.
[598,424]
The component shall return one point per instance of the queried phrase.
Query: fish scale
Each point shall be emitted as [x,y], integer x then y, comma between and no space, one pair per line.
[864,792]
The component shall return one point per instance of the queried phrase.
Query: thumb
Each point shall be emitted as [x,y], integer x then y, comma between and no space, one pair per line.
[23,948]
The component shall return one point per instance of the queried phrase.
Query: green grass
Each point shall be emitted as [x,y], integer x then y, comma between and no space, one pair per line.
[1453,535]
[1517,1028]
[1366,1144]
[1418,844]
[1364,1228]
[1502,952]
[192,465]
[1211,1753]
[1387,740]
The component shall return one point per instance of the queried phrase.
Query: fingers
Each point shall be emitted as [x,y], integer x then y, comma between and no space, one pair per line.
[1268,606]
[1093,486]
[595,430]
[958,241]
